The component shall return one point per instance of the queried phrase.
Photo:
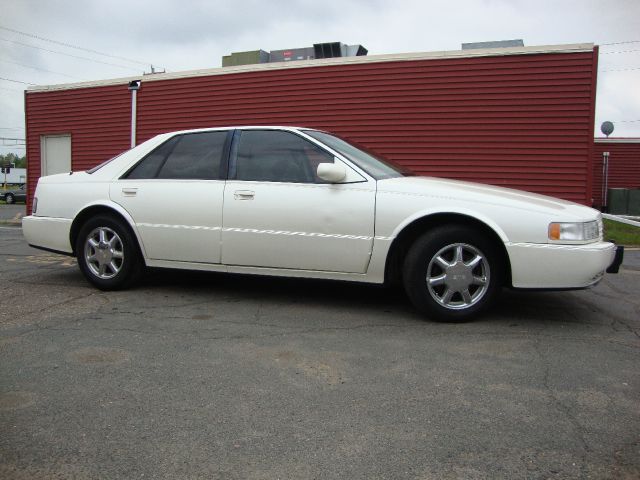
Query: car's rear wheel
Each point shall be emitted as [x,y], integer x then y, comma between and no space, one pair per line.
[108,253]
[8,198]
[453,273]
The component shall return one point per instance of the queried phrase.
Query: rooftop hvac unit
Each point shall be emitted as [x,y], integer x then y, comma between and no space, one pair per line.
[337,49]
[494,44]
[319,50]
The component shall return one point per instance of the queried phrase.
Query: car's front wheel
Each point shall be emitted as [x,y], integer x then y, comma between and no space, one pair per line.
[107,253]
[8,198]
[453,273]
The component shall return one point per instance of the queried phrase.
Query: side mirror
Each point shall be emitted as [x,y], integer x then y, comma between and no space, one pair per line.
[331,172]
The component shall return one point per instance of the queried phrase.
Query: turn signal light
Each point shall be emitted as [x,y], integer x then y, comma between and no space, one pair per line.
[574,232]
[554,231]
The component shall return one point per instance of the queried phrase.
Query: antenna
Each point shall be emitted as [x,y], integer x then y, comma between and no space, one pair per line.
[154,70]
[607,128]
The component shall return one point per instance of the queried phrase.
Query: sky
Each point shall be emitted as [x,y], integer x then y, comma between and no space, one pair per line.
[192,34]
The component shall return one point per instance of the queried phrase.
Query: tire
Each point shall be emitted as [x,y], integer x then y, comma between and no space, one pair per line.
[8,198]
[108,253]
[453,273]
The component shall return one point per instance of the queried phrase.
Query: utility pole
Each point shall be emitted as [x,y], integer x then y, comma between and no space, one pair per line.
[605,180]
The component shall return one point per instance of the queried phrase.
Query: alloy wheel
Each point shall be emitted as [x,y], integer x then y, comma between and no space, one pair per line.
[458,276]
[104,252]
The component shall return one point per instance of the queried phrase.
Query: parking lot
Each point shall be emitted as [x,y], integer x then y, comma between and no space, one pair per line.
[10,213]
[193,375]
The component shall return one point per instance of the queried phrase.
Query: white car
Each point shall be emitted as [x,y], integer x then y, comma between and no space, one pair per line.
[305,203]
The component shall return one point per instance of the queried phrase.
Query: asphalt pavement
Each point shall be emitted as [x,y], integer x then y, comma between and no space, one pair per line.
[194,375]
[12,212]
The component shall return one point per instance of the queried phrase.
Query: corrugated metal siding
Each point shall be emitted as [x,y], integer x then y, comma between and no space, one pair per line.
[98,120]
[624,166]
[523,121]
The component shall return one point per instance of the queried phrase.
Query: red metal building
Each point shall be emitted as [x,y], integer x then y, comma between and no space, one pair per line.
[520,117]
[624,164]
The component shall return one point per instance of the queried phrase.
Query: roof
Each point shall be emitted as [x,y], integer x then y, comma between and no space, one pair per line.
[239,127]
[618,140]
[394,57]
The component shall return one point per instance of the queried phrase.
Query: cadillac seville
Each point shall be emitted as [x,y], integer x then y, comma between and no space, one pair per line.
[306,203]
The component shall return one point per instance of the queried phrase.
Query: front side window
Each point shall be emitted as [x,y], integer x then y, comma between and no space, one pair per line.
[184,157]
[277,156]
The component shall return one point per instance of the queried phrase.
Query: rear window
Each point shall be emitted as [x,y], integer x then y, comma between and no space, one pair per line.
[98,167]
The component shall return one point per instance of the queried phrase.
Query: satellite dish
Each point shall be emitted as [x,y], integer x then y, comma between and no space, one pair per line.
[606,128]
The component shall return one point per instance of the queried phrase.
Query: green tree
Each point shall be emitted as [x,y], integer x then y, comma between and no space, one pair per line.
[14,159]
[21,162]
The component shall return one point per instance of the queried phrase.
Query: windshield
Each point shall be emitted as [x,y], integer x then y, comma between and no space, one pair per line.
[375,166]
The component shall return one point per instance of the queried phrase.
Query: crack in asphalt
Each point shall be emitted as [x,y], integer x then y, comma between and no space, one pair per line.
[621,296]
[231,337]
[619,291]
[616,319]
[24,279]
[562,408]
[19,242]
[38,325]
[293,331]
[258,315]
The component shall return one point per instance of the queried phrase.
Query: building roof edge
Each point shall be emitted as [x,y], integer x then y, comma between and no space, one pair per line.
[393,57]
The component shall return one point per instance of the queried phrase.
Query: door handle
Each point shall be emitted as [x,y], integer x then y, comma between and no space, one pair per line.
[129,192]
[244,194]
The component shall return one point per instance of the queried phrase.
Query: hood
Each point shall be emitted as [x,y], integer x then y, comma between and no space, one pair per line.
[478,193]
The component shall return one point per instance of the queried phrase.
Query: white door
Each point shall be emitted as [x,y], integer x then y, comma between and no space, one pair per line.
[174,196]
[277,214]
[56,154]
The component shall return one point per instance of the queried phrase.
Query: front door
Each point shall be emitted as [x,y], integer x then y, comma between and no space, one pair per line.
[175,197]
[279,214]
[55,151]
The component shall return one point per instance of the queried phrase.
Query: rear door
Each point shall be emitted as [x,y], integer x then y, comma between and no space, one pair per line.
[175,195]
[279,214]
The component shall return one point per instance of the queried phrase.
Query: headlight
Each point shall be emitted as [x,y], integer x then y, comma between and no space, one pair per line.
[575,232]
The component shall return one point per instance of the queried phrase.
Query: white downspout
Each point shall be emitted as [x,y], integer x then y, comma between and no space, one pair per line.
[134,86]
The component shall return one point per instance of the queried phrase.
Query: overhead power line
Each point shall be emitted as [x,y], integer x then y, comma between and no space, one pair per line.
[620,43]
[619,51]
[68,54]
[16,81]
[37,68]
[69,45]
[14,139]
[619,70]
[12,142]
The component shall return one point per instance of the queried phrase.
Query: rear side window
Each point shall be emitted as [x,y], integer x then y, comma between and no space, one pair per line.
[148,167]
[185,157]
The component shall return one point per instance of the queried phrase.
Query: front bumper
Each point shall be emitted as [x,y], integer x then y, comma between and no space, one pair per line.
[617,260]
[551,266]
